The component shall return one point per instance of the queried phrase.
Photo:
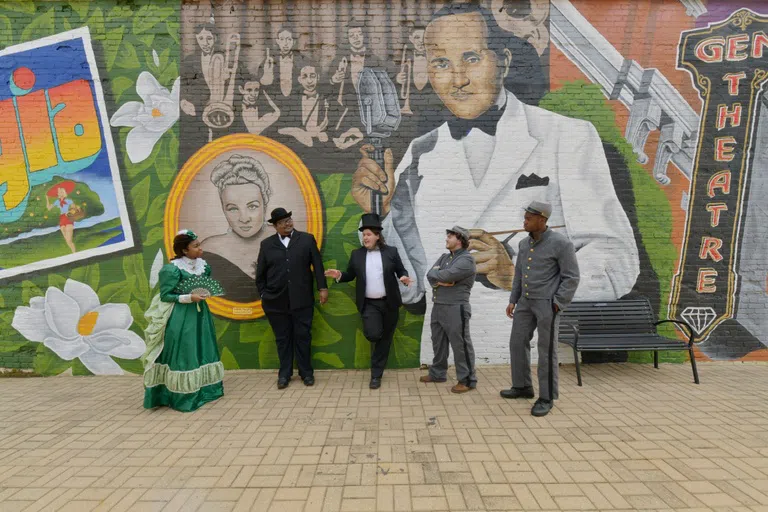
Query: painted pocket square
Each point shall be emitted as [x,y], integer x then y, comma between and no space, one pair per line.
[531,181]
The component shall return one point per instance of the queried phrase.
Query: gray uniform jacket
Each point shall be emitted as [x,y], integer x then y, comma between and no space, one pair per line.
[546,269]
[458,268]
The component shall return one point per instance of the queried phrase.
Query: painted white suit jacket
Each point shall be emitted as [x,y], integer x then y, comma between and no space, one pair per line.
[435,190]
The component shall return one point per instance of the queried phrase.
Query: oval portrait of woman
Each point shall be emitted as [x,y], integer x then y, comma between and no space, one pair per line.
[225,191]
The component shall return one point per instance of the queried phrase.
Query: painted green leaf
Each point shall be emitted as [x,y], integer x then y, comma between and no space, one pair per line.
[147,40]
[351,226]
[155,235]
[57,281]
[140,196]
[339,304]
[332,360]
[221,326]
[164,55]
[349,200]
[256,332]
[134,266]
[322,333]
[119,12]
[156,210]
[362,350]
[111,44]
[2,302]
[6,32]
[25,6]
[173,30]
[48,363]
[119,86]
[332,216]
[80,7]
[29,290]
[406,351]
[268,354]
[88,274]
[127,58]
[167,173]
[67,24]
[138,314]
[148,16]
[330,188]
[41,26]
[6,347]
[96,24]
[79,369]
[410,318]
[117,293]
[229,361]
[348,248]
[134,366]
[169,75]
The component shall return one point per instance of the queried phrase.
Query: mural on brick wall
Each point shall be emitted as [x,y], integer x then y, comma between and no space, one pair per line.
[639,122]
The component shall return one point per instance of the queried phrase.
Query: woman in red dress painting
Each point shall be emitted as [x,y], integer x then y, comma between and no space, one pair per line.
[60,192]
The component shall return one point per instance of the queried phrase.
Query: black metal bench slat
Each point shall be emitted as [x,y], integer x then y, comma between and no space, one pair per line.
[623,325]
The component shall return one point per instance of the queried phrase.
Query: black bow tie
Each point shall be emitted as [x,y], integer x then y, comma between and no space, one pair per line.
[286,237]
[486,122]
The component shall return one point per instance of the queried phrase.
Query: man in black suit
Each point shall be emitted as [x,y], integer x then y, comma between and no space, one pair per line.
[377,268]
[284,280]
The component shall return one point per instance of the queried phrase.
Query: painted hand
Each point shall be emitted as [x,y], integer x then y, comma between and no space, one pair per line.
[323,296]
[197,298]
[492,259]
[406,280]
[369,176]
[511,311]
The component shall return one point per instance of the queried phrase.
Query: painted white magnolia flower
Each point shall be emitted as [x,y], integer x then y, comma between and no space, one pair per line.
[150,119]
[74,324]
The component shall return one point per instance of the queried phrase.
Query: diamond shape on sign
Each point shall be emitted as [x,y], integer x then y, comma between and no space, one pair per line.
[699,317]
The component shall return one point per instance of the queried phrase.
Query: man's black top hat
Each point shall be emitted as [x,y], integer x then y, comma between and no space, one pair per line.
[371,221]
[279,214]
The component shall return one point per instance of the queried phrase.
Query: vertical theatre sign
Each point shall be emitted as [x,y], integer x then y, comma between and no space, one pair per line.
[728,62]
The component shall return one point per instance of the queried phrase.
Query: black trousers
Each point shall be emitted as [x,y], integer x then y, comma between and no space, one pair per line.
[293,336]
[379,323]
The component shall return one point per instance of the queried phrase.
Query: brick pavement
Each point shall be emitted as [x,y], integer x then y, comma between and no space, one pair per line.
[631,438]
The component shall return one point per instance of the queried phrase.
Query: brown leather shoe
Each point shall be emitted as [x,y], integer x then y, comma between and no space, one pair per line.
[428,378]
[460,388]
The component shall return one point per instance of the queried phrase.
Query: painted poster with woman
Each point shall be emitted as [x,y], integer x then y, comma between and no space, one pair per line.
[226,190]
[61,198]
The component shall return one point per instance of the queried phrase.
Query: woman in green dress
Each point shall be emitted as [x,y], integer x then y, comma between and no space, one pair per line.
[182,369]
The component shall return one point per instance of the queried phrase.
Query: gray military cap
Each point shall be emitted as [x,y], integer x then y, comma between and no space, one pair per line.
[540,208]
[458,230]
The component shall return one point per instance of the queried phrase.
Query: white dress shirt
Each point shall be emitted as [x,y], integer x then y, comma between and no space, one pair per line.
[285,241]
[374,276]
[286,74]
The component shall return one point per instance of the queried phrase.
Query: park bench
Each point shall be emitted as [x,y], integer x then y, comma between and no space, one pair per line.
[620,325]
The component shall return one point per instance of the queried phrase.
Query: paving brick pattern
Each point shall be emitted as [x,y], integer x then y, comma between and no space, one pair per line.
[631,438]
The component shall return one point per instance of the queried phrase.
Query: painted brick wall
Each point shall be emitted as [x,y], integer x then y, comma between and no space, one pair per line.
[123,122]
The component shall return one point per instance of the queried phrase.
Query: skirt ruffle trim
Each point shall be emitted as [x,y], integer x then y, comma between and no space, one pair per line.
[190,381]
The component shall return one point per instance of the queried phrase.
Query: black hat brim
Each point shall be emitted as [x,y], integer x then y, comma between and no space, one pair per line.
[274,220]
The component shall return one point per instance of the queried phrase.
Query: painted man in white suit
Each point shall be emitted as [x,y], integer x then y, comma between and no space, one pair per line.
[483,167]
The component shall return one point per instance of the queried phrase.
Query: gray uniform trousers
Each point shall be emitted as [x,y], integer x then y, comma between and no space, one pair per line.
[450,326]
[536,314]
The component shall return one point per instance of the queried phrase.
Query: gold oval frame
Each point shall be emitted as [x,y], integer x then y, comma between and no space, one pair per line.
[218,305]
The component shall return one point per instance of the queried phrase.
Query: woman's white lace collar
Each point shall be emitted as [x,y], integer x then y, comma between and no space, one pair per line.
[195,267]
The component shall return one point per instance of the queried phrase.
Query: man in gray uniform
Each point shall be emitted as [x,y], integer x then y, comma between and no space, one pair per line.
[452,277]
[546,277]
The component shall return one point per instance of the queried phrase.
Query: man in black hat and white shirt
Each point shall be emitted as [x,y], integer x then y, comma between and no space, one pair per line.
[284,275]
[452,277]
[377,268]
[546,278]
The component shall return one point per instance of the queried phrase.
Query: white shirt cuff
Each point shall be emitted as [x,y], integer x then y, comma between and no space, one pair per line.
[185,299]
